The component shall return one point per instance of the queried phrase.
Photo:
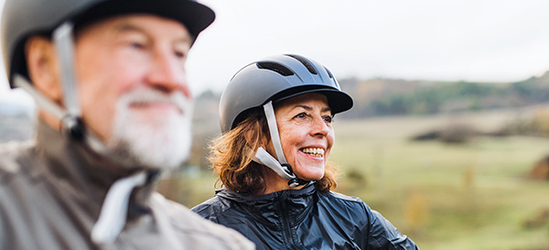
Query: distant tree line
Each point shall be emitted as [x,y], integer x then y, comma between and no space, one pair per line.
[433,99]
[424,98]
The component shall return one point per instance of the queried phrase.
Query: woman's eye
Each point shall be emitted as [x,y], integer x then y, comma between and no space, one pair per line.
[328,119]
[301,115]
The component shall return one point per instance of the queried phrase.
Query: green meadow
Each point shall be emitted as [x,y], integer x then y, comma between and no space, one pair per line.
[472,195]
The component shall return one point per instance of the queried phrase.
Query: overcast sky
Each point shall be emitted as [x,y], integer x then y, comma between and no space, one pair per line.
[477,40]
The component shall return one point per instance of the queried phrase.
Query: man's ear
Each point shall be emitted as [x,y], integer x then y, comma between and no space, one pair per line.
[43,67]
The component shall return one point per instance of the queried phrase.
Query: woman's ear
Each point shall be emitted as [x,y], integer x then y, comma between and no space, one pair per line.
[43,67]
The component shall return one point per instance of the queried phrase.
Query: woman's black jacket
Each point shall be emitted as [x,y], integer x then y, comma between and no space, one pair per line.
[304,219]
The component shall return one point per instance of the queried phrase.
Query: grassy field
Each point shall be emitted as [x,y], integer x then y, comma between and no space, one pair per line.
[465,196]
[444,196]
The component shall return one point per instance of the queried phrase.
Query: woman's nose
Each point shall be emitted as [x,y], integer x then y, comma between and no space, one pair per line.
[319,127]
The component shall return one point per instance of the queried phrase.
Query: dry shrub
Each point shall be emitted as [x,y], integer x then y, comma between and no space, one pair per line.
[540,171]
[416,212]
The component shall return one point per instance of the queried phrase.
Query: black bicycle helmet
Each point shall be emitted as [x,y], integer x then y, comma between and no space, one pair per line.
[274,79]
[22,18]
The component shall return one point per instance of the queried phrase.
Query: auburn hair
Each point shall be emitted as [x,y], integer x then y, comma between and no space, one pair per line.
[232,157]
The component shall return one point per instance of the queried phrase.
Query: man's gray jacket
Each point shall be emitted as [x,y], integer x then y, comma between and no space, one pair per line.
[51,194]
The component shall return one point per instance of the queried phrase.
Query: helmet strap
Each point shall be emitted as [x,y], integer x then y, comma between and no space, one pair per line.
[72,126]
[273,130]
[263,157]
[72,113]
[280,166]
[64,46]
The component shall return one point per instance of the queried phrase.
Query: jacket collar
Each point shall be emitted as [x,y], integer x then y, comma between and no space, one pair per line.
[287,206]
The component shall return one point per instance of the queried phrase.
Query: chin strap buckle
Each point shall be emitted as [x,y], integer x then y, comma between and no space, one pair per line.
[74,127]
[294,182]
[287,168]
[297,182]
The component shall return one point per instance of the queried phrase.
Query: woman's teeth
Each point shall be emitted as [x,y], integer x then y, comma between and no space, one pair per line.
[317,152]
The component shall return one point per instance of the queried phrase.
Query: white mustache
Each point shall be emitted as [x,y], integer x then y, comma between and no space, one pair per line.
[143,96]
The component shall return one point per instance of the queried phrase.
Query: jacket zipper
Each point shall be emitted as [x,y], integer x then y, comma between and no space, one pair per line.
[286,227]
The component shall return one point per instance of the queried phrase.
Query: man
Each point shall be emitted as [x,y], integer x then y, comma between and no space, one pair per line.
[114,111]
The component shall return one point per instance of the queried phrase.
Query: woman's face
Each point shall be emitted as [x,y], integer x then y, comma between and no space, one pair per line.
[306,133]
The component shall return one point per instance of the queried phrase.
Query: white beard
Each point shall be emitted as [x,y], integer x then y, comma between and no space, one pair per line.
[161,142]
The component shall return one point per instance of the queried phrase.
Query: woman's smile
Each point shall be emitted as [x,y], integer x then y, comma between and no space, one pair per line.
[317,153]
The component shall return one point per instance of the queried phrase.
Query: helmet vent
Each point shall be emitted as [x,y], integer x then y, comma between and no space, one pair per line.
[305,63]
[276,67]
[329,73]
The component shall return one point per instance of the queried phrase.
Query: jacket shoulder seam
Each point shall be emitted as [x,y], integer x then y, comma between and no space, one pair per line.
[344,197]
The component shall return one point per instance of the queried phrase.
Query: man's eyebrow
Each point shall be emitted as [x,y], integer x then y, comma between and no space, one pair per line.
[124,27]
[128,27]
[185,39]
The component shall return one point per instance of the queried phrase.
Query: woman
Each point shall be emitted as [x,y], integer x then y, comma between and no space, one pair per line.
[275,117]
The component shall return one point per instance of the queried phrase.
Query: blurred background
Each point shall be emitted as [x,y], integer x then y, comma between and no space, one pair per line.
[449,135]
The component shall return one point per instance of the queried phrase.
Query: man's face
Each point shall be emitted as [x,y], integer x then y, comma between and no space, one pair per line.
[133,90]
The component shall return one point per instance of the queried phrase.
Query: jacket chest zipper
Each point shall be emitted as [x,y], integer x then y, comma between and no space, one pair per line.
[286,227]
